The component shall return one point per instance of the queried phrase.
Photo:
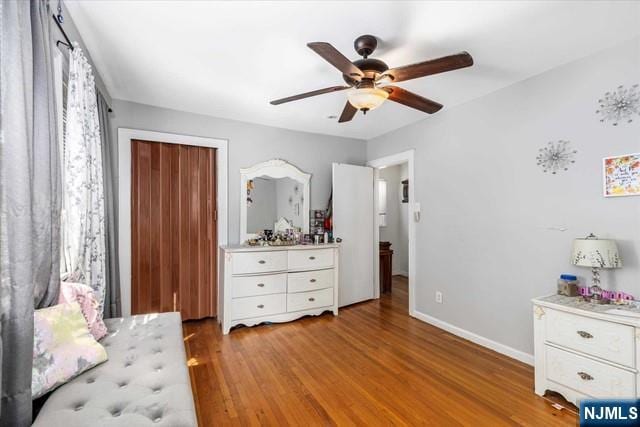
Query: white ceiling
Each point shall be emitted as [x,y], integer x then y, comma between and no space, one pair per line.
[229,59]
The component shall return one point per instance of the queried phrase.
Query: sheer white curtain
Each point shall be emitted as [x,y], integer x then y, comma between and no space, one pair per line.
[83,193]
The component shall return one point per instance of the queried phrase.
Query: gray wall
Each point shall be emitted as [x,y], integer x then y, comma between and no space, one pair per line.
[396,231]
[249,144]
[488,237]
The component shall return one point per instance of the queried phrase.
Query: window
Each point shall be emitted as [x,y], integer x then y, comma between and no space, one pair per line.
[61,72]
[382,203]
[61,65]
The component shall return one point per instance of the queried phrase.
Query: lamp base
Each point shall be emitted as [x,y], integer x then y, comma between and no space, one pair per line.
[596,290]
[599,300]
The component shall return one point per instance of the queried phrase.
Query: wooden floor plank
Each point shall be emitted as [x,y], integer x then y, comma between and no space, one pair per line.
[371,365]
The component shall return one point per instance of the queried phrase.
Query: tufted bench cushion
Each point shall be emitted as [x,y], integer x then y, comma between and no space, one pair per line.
[145,382]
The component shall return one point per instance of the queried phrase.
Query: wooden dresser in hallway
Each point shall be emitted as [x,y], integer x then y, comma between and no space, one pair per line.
[386,266]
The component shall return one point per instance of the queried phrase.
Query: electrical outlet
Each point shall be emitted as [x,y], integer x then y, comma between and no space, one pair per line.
[439,297]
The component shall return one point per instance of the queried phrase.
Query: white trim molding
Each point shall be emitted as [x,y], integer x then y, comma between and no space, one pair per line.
[125,136]
[392,160]
[475,338]
[275,168]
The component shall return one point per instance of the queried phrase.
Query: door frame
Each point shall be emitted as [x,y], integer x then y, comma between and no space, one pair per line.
[386,161]
[125,135]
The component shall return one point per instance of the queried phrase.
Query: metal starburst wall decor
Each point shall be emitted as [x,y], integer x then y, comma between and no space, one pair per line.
[556,156]
[620,106]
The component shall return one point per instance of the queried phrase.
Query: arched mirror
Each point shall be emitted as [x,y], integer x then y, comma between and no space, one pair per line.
[274,196]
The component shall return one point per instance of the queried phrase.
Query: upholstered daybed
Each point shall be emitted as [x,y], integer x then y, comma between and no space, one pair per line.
[145,382]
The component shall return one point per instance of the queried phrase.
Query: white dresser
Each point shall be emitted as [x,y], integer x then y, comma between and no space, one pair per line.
[277,284]
[581,351]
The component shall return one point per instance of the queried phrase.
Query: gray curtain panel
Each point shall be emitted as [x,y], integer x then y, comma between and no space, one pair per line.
[46,177]
[112,306]
[29,195]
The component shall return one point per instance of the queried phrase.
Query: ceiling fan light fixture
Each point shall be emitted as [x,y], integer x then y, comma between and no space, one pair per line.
[367,98]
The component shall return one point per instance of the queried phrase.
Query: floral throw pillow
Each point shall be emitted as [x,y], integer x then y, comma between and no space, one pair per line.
[84,295]
[63,347]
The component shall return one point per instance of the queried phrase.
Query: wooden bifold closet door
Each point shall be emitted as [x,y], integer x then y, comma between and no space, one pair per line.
[173,229]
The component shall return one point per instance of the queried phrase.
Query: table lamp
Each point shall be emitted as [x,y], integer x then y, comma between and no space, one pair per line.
[596,253]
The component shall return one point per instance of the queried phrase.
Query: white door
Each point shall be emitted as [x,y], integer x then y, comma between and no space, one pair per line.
[353,213]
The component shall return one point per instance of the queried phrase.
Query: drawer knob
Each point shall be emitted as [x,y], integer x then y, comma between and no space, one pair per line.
[585,376]
[312,299]
[313,280]
[584,334]
[260,305]
[312,258]
[262,261]
[261,285]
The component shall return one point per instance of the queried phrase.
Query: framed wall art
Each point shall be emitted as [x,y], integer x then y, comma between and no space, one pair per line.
[621,175]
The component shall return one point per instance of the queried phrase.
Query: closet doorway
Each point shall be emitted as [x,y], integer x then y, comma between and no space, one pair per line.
[173,229]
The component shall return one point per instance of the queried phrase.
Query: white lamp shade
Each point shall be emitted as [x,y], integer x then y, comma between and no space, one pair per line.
[600,253]
[367,98]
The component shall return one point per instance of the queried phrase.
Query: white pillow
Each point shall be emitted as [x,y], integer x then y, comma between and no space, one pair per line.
[63,347]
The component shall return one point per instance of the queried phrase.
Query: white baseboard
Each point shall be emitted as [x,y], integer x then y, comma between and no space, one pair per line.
[400,273]
[475,338]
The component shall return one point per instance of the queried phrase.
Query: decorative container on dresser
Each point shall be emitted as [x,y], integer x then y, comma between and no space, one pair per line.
[583,350]
[277,283]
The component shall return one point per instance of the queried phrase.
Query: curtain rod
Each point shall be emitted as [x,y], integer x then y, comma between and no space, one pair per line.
[68,42]
[60,42]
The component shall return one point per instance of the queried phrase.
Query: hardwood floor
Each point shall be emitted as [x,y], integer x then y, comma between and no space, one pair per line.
[371,365]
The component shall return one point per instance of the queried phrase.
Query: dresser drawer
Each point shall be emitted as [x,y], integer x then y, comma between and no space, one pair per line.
[310,280]
[263,305]
[308,300]
[259,262]
[247,286]
[595,379]
[611,341]
[308,259]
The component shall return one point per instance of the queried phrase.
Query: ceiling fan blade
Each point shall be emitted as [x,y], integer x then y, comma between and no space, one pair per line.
[412,100]
[335,58]
[309,94]
[427,68]
[348,113]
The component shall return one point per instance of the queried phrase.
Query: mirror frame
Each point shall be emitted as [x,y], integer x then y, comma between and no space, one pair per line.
[275,168]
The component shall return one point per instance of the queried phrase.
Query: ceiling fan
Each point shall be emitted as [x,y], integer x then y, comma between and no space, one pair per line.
[370,80]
